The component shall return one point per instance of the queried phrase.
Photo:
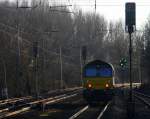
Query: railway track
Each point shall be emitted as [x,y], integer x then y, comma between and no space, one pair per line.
[36,104]
[89,112]
[50,93]
[142,97]
[14,100]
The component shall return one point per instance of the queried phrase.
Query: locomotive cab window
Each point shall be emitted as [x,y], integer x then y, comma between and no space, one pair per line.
[104,72]
[90,72]
[98,72]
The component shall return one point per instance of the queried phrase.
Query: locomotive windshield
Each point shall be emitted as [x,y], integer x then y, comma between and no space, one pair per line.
[104,72]
[98,72]
[90,72]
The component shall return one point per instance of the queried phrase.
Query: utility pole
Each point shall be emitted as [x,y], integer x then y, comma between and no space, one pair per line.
[95,20]
[81,66]
[139,64]
[18,50]
[35,53]
[18,55]
[43,60]
[61,69]
[95,5]
[83,57]
[5,79]
[139,68]
[36,77]
[6,87]
[130,28]
[130,54]
[84,54]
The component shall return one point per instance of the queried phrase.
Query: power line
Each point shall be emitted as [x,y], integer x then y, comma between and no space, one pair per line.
[101,3]
[15,29]
[29,56]
[55,10]
[110,5]
[21,38]
[45,50]
[57,6]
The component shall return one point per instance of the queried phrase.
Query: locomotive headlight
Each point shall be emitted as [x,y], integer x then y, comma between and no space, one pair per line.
[107,85]
[89,85]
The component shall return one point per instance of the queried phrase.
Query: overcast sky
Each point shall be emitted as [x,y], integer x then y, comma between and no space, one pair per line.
[112,10]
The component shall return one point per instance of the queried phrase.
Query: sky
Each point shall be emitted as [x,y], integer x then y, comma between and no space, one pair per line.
[112,10]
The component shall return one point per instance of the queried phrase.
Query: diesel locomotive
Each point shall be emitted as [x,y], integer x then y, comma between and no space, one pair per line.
[98,81]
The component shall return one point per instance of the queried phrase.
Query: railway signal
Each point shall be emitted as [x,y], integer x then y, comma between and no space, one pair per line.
[130,18]
[123,62]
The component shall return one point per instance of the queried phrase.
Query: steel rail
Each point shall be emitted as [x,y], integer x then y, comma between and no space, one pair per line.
[79,112]
[144,95]
[5,112]
[33,103]
[76,115]
[103,111]
[10,99]
[43,104]
[8,114]
[13,100]
[143,100]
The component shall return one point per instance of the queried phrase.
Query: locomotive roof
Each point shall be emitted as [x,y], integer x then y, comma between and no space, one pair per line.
[98,62]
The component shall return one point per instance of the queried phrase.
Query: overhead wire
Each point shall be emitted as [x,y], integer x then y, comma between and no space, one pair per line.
[102,3]
[30,56]
[39,46]
[22,53]
[45,50]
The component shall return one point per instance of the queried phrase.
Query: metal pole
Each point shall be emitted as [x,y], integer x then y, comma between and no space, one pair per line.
[36,77]
[19,58]
[18,44]
[6,88]
[61,69]
[36,67]
[130,106]
[139,58]
[139,68]
[44,60]
[95,5]
[123,72]
[81,66]
[124,67]
[130,55]
[18,54]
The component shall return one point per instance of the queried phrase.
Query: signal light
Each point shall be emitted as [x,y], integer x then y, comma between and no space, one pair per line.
[89,85]
[123,62]
[107,85]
